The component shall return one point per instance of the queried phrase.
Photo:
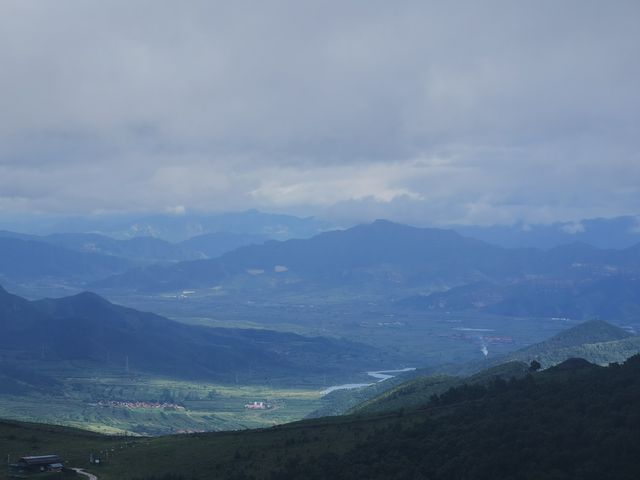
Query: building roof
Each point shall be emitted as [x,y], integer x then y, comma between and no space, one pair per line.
[41,459]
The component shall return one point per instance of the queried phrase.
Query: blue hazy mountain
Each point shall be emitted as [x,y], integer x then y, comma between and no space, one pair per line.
[582,298]
[211,245]
[22,260]
[137,249]
[144,249]
[77,258]
[377,254]
[619,232]
[175,228]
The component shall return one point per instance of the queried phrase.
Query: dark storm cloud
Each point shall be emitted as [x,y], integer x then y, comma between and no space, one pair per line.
[429,112]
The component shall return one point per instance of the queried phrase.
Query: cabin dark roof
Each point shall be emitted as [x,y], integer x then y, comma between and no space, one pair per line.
[41,460]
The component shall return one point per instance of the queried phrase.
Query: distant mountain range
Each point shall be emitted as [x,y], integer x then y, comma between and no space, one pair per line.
[381,254]
[87,328]
[80,258]
[143,249]
[418,268]
[82,255]
[422,269]
[607,233]
[618,232]
[175,227]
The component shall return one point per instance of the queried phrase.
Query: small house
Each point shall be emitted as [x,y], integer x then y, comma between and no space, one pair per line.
[38,463]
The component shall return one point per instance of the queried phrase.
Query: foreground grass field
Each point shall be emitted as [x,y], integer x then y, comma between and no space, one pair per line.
[103,404]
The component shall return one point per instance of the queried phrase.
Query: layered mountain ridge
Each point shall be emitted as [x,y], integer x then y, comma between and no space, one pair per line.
[88,328]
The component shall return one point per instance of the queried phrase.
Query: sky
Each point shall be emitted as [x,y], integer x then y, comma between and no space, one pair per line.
[426,112]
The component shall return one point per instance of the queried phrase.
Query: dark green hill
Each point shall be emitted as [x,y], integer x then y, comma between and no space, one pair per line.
[595,340]
[600,353]
[419,391]
[88,328]
[592,331]
[411,393]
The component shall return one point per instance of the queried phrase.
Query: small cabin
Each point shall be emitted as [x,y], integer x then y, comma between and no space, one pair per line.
[38,463]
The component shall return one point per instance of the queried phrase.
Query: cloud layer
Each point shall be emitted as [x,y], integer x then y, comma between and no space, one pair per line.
[426,112]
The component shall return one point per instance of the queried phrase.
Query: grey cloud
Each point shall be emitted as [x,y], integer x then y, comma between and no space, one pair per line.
[426,111]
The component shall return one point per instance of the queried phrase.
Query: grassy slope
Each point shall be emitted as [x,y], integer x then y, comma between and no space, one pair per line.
[197,455]
[208,406]
[420,390]
[19,438]
[593,331]
[601,353]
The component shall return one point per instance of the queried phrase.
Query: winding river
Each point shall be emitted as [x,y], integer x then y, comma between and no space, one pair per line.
[380,376]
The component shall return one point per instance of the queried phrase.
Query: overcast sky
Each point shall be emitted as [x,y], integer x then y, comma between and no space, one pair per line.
[424,112]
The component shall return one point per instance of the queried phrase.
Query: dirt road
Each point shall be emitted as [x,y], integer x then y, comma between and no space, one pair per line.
[90,476]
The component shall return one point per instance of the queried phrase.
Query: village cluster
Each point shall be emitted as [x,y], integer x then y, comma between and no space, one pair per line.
[258,406]
[140,404]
